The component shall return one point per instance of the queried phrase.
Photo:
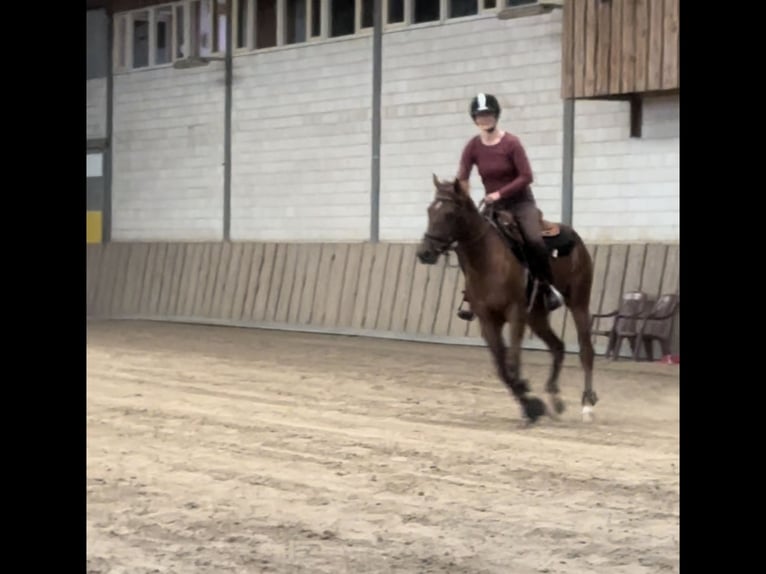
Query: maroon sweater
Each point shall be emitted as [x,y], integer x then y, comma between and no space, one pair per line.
[503,167]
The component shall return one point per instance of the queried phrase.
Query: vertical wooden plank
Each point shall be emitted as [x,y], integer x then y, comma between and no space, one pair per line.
[306,311]
[359,314]
[656,26]
[579,48]
[670,45]
[282,303]
[404,288]
[654,267]
[444,309]
[603,46]
[264,280]
[615,47]
[231,281]
[172,252]
[145,291]
[389,299]
[243,275]
[157,274]
[92,274]
[322,278]
[135,268]
[190,280]
[336,270]
[614,275]
[275,285]
[299,281]
[198,308]
[434,283]
[350,284]
[634,269]
[642,44]
[670,275]
[223,261]
[253,281]
[567,51]
[375,287]
[122,254]
[591,40]
[628,72]
[417,298]
[174,289]
[214,264]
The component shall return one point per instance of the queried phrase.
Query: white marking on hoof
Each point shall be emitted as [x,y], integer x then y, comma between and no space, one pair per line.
[587,414]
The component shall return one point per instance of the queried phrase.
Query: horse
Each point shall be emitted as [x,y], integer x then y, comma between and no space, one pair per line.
[490,251]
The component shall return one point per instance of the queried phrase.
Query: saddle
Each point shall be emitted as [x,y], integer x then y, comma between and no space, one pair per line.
[558,238]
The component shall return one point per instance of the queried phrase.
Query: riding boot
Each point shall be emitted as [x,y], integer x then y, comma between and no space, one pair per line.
[551,296]
[465,314]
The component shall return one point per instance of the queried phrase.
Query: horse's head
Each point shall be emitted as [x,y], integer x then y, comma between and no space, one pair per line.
[445,219]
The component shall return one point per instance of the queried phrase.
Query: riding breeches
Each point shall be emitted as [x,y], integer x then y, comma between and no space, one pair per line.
[528,219]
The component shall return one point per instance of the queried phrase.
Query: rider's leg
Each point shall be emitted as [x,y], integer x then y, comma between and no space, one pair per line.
[528,219]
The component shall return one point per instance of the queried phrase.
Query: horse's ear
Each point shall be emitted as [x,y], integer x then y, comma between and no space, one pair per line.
[461,188]
[436,181]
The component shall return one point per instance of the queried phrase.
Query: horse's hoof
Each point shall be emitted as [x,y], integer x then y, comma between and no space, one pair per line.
[534,408]
[587,414]
[557,404]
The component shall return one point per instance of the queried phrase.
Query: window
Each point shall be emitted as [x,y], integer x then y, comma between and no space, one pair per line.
[295,21]
[367,14]
[163,22]
[316,18]
[342,17]
[458,8]
[242,14]
[425,10]
[140,26]
[265,23]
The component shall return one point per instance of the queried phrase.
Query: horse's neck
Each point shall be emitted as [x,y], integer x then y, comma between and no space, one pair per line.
[474,249]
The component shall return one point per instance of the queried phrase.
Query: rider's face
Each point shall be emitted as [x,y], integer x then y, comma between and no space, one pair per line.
[485,121]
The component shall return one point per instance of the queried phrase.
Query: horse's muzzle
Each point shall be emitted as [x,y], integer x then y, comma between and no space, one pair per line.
[427,256]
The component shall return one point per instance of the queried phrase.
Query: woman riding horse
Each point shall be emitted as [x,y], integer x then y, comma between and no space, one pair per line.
[507,176]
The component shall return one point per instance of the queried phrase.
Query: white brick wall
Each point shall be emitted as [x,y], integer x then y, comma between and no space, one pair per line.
[95,107]
[627,189]
[301,142]
[624,189]
[168,154]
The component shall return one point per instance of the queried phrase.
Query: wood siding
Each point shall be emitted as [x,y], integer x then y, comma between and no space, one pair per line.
[619,47]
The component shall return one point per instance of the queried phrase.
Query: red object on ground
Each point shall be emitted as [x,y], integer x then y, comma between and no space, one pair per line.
[670,360]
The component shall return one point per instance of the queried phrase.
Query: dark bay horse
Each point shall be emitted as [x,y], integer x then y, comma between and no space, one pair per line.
[497,287]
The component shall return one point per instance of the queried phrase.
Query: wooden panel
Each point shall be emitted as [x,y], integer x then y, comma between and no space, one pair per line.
[230,281]
[417,297]
[615,48]
[404,288]
[190,280]
[434,281]
[281,306]
[121,253]
[174,288]
[172,252]
[656,24]
[243,276]
[336,271]
[670,275]
[145,293]
[321,291]
[628,72]
[299,281]
[351,282]
[613,286]
[221,268]
[359,314]
[263,284]
[670,76]
[634,268]
[306,311]
[604,14]
[600,255]
[253,281]
[213,267]
[654,267]
[578,68]
[388,299]
[446,311]
[274,291]
[375,288]
[642,44]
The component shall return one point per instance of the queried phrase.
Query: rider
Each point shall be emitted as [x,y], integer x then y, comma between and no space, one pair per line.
[506,174]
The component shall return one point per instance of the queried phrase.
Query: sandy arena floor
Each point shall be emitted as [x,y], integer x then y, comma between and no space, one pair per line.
[219,450]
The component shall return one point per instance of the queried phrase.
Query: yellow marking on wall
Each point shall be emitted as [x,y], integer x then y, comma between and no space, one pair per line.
[93,227]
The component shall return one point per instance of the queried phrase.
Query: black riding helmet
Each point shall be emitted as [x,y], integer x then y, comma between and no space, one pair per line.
[485,103]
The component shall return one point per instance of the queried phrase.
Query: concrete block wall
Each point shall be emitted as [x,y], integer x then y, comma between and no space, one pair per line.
[301,141]
[168,132]
[95,108]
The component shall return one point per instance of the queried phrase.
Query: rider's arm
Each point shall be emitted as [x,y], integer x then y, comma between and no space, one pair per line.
[524,171]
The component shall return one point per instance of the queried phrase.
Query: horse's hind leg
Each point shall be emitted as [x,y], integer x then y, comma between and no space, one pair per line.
[581,318]
[491,331]
[540,325]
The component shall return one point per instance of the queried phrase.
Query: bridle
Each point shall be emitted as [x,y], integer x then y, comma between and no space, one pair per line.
[445,245]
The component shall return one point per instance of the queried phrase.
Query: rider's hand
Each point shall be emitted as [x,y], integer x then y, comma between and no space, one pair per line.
[492,197]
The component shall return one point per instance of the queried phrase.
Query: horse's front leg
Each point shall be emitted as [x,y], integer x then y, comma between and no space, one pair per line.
[491,330]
